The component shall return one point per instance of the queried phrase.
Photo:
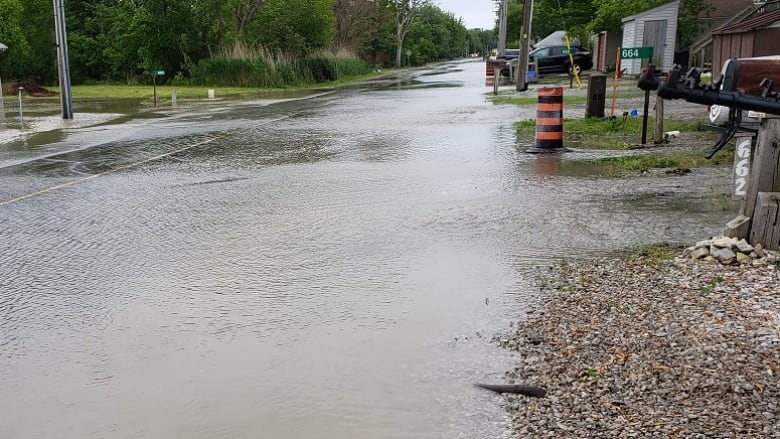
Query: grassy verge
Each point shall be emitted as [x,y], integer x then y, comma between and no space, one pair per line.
[124,91]
[532,100]
[662,160]
[611,134]
[617,134]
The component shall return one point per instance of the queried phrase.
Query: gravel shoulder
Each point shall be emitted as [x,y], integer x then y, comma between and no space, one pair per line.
[647,346]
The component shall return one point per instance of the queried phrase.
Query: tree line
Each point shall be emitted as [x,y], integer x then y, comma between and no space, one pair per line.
[271,43]
[249,42]
[582,18]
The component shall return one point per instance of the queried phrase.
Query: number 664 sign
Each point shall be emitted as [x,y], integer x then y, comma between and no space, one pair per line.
[742,166]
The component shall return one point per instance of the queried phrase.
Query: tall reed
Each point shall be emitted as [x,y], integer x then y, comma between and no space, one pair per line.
[257,67]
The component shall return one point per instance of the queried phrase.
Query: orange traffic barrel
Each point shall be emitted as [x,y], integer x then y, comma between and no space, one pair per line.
[549,120]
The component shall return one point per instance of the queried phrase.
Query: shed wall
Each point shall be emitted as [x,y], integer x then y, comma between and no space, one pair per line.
[633,35]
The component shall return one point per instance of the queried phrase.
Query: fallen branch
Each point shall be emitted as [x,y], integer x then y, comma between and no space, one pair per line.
[521,389]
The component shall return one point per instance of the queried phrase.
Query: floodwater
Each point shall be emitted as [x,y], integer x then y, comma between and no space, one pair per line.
[325,267]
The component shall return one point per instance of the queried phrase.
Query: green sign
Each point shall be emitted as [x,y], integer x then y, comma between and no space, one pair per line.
[568,51]
[636,53]
[159,72]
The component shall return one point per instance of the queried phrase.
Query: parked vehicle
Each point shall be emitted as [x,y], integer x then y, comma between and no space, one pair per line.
[555,59]
[510,56]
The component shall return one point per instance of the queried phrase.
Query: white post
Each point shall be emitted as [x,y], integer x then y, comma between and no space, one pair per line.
[21,119]
[2,101]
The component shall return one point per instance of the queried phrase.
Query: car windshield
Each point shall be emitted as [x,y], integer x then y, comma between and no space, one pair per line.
[540,52]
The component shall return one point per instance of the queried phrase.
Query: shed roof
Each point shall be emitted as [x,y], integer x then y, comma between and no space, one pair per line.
[675,3]
[727,8]
[760,18]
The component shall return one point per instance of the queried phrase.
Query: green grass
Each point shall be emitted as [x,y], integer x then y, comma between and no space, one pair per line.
[653,253]
[608,134]
[641,163]
[146,91]
[619,166]
[532,100]
[143,91]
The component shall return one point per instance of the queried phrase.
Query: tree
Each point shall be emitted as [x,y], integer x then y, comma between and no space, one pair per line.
[38,26]
[12,35]
[294,26]
[356,24]
[571,16]
[481,40]
[689,25]
[406,11]
[609,14]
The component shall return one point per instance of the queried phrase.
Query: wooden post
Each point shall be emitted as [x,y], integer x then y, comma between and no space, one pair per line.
[762,203]
[644,117]
[658,133]
[525,35]
[743,151]
[766,221]
[615,82]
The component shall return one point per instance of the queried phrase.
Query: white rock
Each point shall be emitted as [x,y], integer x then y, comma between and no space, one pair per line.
[724,242]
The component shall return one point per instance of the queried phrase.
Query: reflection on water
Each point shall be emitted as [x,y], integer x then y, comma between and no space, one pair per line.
[547,165]
[326,268]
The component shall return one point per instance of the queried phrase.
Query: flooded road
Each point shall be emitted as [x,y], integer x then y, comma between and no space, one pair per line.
[326,267]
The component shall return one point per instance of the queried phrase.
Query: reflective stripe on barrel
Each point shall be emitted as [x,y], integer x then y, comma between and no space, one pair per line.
[549,118]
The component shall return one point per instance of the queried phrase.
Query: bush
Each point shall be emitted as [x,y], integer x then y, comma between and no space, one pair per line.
[259,69]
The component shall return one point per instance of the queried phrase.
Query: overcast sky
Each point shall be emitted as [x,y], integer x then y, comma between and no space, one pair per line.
[475,13]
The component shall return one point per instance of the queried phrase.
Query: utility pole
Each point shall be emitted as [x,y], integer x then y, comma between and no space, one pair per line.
[503,12]
[525,43]
[3,48]
[62,59]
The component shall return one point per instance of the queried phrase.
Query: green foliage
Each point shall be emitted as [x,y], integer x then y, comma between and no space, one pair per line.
[293,26]
[269,73]
[481,41]
[591,372]
[608,16]
[710,288]
[12,34]
[571,16]
[111,40]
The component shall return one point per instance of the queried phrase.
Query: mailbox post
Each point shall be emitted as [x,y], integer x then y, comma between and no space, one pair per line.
[640,53]
[761,183]
[154,84]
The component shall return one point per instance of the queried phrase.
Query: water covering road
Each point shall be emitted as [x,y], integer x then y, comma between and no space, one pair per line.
[329,266]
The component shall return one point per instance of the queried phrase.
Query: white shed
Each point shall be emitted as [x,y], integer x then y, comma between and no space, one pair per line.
[654,28]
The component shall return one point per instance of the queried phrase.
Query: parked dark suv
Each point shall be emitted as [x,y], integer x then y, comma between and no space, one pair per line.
[551,59]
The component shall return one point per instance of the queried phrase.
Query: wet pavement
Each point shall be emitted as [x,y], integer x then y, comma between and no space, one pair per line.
[322,267]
